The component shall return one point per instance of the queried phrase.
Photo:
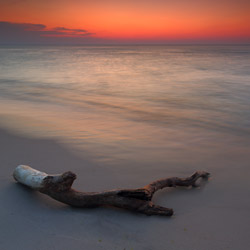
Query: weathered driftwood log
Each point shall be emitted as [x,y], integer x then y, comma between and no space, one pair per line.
[139,200]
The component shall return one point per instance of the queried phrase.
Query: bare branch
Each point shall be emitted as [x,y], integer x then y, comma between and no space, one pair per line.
[59,188]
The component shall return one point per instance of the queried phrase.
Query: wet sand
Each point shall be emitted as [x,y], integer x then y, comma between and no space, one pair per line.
[215,216]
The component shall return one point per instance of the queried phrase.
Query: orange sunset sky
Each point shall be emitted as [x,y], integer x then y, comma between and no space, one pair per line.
[125,20]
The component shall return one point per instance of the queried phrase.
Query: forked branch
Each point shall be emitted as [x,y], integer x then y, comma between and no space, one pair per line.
[59,188]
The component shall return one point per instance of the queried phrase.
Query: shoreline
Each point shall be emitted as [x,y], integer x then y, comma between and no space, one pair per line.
[215,216]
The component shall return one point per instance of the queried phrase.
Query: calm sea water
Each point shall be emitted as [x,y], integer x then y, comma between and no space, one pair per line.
[154,105]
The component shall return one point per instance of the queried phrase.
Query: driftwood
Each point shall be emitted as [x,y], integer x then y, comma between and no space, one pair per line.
[59,188]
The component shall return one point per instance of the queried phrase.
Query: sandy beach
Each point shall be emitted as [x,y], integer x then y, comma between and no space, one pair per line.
[124,95]
[215,216]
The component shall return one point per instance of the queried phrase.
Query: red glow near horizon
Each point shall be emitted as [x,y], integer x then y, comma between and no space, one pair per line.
[138,19]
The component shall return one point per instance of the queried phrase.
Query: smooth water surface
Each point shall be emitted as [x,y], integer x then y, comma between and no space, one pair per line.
[149,104]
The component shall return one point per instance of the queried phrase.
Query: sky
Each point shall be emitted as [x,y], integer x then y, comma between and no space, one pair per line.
[124,21]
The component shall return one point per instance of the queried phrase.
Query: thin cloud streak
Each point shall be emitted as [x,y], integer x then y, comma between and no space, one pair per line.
[11,32]
[42,29]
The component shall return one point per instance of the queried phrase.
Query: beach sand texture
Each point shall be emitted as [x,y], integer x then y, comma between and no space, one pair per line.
[216,216]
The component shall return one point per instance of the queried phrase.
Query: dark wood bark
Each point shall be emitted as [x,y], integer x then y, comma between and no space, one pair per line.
[59,188]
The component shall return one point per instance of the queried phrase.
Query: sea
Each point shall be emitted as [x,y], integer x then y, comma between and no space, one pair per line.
[150,106]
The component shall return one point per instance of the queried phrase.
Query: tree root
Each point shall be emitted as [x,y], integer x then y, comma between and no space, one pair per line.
[59,188]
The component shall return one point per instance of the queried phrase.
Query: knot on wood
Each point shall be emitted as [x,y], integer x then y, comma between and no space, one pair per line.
[59,183]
